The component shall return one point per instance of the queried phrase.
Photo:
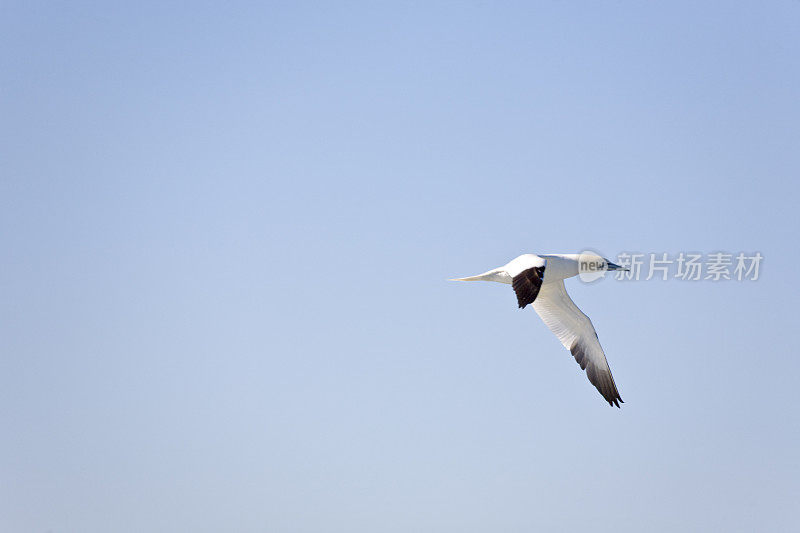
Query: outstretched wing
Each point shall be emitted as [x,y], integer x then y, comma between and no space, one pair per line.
[577,334]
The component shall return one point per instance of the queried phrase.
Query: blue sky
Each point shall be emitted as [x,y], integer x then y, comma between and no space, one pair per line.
[226,232]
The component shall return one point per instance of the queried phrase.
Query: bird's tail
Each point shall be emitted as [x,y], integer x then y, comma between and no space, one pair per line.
[491,275]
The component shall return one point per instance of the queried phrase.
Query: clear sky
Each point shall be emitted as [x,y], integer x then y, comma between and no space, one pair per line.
[226,230]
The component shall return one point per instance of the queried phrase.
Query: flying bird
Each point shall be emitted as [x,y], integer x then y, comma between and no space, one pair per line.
[538,280]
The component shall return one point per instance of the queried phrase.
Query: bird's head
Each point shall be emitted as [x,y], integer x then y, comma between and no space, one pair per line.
[592,266]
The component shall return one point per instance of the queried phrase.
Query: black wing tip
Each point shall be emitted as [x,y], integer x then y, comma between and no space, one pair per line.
[604,385]
[614,402]
[526,285]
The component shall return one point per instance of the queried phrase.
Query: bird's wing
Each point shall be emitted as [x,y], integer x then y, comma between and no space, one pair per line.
[577,334]
[527,285]
[527,274]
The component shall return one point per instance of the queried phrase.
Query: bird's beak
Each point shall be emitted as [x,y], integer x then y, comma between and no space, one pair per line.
[613,266]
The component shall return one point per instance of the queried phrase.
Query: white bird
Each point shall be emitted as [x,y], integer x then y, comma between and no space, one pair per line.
[539,280]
